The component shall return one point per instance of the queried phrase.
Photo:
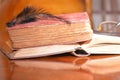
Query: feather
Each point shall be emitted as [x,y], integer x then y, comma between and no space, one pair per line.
[31,14]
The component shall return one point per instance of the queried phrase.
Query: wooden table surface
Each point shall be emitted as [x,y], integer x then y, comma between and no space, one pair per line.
[61,67]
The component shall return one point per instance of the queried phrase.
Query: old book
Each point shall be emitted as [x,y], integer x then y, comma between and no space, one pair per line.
[79,40]
[52,32]
[46,37]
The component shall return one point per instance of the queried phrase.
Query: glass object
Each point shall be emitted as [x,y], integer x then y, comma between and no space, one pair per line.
[106,10]
[110,27]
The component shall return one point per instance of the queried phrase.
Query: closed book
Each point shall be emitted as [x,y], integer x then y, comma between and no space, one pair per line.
[52,32]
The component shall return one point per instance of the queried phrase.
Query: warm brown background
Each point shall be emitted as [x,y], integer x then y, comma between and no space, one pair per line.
[10,8]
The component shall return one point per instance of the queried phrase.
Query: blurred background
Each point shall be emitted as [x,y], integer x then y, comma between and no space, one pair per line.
[105,10]
[99,10]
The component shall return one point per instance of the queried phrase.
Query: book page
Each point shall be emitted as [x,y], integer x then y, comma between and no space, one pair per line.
[103,44]
[44,51]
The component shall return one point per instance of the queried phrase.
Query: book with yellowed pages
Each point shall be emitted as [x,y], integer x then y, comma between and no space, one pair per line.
[48,36]
[32,39]
[66,29]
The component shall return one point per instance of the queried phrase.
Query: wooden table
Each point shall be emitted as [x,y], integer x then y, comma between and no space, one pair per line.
[61,67]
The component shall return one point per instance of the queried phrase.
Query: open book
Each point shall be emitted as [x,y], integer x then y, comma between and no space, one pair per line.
[100,44]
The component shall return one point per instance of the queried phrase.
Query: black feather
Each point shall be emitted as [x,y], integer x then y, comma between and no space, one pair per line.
[31,14]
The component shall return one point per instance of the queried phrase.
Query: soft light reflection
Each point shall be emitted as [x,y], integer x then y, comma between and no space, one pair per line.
[89,69]
[103,66]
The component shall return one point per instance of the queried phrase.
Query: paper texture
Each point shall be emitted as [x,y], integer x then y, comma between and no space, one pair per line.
[44,51]
[103,44]
[56,32]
